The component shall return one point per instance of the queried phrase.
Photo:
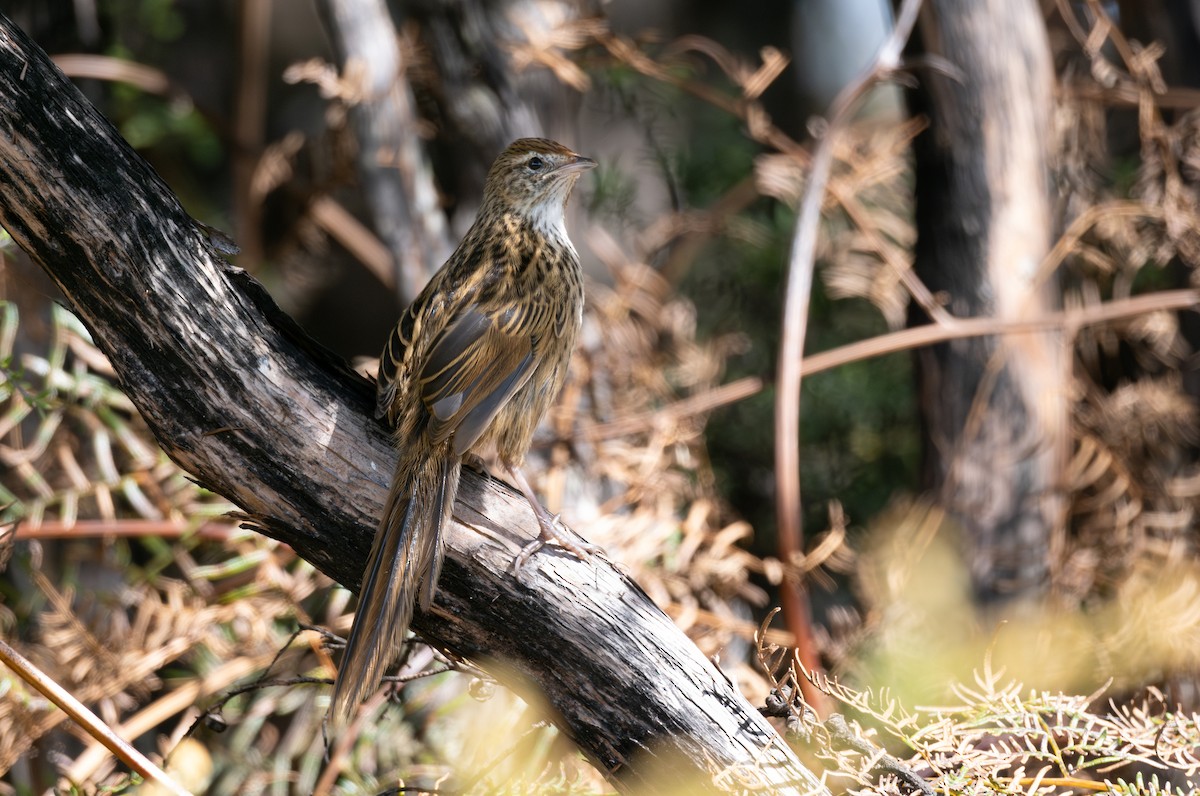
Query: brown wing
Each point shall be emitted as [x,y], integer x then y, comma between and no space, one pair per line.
[472,370]
[396,351]
[389,367]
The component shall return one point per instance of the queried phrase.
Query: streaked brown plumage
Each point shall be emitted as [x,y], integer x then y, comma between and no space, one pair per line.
[470,368]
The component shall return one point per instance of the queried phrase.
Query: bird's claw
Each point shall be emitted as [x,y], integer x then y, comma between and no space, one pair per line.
[526,553]
[549,526]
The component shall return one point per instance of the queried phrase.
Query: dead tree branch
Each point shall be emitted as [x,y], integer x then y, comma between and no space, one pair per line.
[242,399]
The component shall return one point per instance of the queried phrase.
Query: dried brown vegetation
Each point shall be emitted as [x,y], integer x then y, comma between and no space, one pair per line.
[156,603]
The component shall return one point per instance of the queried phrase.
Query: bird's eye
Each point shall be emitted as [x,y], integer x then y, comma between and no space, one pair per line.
[536,163]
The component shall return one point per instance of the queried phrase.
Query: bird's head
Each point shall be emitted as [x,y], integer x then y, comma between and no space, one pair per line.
[533,177]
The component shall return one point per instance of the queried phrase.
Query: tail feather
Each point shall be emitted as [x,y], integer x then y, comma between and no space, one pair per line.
[407,553]
[443,502]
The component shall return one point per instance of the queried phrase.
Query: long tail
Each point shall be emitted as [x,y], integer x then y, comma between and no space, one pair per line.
[407,551]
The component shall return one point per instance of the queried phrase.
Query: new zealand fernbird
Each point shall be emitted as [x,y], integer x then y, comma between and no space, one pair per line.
[469,370]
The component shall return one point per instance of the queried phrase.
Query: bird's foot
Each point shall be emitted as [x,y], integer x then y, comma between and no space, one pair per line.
[549,527]
[550,532]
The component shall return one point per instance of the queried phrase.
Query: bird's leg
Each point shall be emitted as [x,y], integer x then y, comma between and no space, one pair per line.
[548,523]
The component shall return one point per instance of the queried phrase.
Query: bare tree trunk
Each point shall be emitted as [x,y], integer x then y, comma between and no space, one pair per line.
[397,180]
[242,399]
[485,102]
[994,409]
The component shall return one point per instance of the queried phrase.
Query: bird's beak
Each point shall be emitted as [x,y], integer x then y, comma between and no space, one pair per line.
[577,164]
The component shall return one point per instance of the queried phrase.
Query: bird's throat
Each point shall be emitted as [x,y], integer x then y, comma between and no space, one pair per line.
[547,219]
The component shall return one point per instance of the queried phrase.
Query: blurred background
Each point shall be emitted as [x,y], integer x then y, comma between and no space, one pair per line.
[342,145]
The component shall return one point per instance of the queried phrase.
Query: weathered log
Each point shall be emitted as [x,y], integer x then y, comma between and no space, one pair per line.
[241,398]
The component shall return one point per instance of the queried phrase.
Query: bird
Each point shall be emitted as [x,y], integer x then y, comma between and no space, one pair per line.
[466,374]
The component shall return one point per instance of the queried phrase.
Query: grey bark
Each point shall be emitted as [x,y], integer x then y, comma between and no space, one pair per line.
[242,399]
[397,179]
[483,101]
[994,408]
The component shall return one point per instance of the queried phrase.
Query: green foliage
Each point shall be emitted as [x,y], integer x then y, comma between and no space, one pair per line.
[170,131]
[148,122]
[145,21]
[860,441]
[40,394]
[613,192]
[714,156]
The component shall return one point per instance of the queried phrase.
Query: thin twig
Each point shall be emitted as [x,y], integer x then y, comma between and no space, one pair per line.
[110,68]
[840,732]
[761,129]
[89,721]
[86,764]
[1175,98]
[337,222]
[339,753]
[249,125]
[1070,320]
[795,315]
[692,406]
[124,528]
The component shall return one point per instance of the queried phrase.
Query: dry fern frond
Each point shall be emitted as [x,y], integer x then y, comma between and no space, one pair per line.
[868,245]
[74,443]
[1130,476]
[1167,180]
[78,455]
[1132,479]
[640,482]
[998,737]
[548,36]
